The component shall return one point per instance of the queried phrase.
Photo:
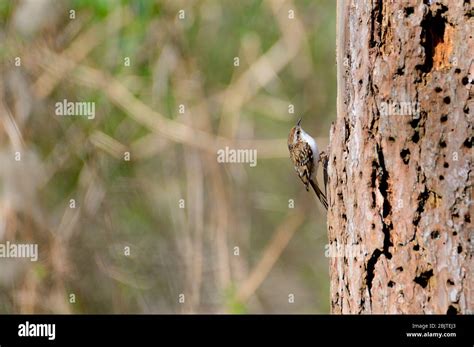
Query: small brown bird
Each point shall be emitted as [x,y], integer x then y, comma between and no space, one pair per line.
[305,156]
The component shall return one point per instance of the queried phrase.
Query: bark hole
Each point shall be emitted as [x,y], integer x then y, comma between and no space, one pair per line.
[423,278]
[432,34]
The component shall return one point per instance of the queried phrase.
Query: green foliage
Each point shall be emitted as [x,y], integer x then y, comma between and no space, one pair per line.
[100,8]
[234,306]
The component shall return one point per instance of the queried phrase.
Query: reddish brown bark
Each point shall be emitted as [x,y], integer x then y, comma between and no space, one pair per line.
[400,161]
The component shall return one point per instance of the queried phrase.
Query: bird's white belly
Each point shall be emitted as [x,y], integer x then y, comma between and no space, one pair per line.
[314,148]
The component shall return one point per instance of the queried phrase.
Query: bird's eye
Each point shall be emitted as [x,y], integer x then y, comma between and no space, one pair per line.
[298,132]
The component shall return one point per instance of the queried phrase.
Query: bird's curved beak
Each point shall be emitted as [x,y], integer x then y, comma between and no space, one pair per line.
[299,122]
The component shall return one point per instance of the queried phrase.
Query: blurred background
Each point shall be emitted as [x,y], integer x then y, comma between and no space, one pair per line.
[131,210]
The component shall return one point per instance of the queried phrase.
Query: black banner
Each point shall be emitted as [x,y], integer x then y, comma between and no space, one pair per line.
[367,330]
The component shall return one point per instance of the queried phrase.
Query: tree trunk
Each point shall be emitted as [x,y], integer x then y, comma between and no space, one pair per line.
[400,159]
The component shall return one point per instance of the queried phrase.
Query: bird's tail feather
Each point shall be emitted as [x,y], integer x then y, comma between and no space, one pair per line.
[319,194]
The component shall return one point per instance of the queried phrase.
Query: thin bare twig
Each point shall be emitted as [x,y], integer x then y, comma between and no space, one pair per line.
[272,252]
[143,114]
[79,50]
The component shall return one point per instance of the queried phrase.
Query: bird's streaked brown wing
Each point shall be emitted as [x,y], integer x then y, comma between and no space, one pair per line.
[302,158]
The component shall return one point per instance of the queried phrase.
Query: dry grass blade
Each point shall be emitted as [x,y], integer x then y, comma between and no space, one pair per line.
[272,252]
